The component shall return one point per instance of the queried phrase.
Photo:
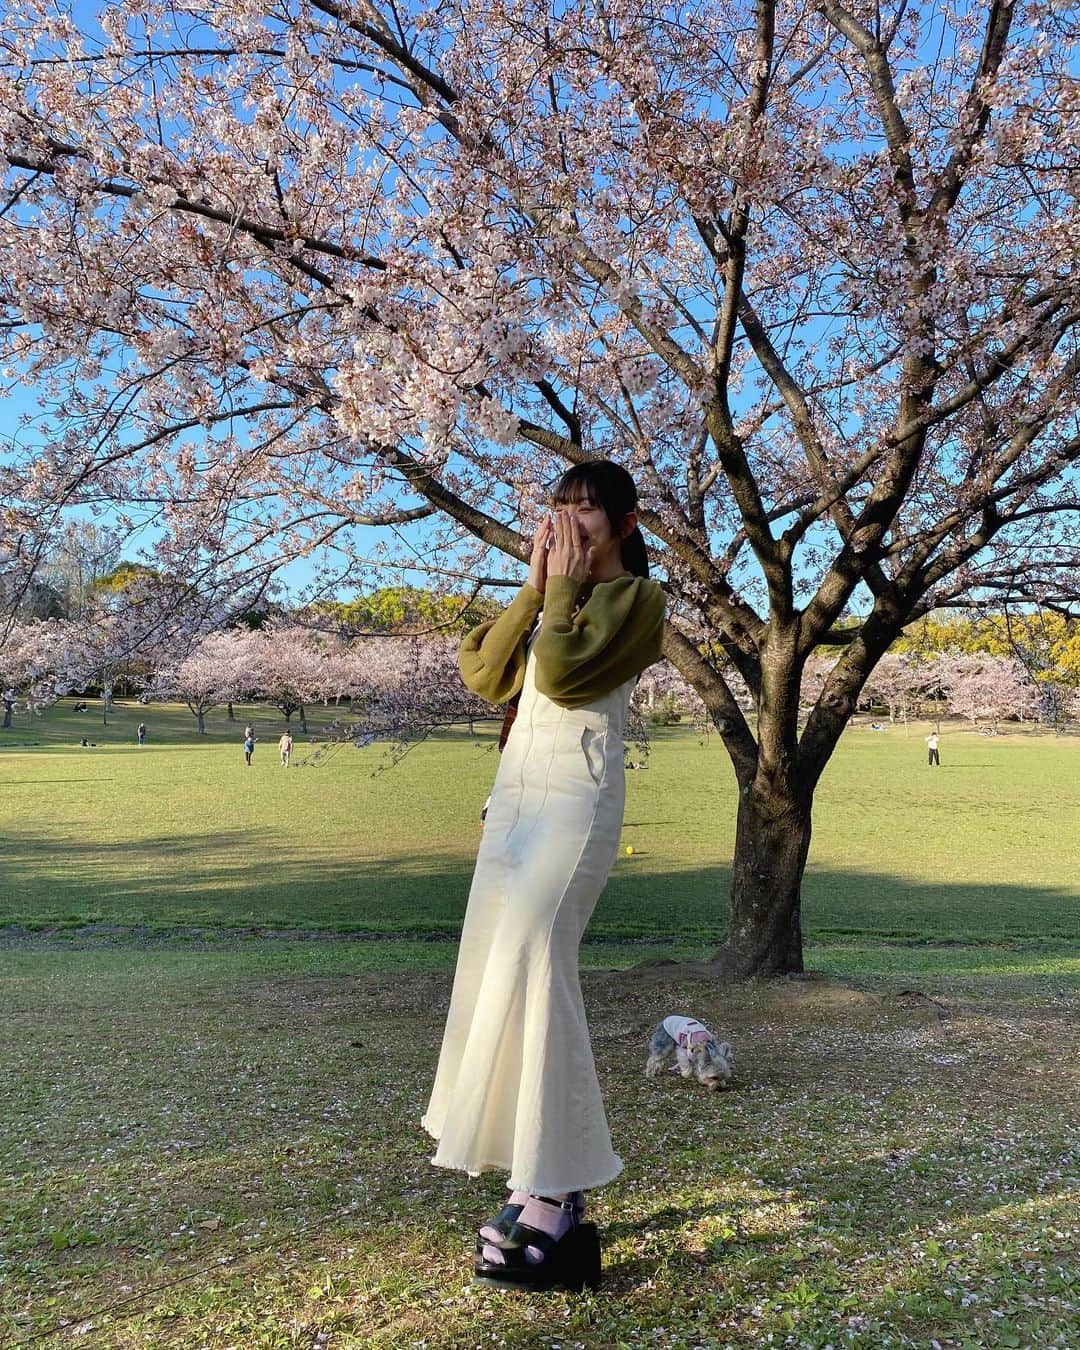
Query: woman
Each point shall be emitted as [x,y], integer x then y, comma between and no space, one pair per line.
[516,1086]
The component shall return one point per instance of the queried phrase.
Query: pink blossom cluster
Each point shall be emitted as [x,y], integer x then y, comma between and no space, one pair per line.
[988,689]
[387,688]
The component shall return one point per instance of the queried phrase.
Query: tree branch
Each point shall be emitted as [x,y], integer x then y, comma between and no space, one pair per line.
[897,132]
[976,112]
[268,235]
[715,693]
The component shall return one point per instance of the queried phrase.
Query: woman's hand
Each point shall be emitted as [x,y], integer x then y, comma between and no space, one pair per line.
[569,557]
[538,559]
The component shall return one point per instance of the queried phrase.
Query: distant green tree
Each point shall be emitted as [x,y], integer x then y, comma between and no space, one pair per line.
[117,579]
[402,609]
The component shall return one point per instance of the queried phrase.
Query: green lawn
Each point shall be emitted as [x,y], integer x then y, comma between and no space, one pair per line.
[221,1148]
[182,833]
[222,993]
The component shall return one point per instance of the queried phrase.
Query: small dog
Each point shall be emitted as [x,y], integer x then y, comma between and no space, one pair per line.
[695,1050]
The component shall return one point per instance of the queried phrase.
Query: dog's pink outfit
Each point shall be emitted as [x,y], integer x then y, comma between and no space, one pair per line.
[685,1032]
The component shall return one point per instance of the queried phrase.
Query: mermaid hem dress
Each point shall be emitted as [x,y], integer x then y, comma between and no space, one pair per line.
[516,1085]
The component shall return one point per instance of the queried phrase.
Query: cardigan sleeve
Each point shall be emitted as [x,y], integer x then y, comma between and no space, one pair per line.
[492,656]
[613,637]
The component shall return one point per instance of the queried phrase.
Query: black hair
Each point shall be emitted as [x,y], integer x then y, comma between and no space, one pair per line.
[603,483]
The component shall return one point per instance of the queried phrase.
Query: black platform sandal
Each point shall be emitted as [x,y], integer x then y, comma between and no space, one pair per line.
[508,1216]
[571,1262]
[503,1222]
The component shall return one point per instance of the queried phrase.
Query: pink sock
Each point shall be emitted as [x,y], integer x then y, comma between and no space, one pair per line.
[514,1198]
[551,1219]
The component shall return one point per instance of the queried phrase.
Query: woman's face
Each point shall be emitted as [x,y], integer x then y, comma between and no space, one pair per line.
[594,525]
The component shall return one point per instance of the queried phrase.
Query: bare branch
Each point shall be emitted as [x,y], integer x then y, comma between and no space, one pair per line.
[722,707]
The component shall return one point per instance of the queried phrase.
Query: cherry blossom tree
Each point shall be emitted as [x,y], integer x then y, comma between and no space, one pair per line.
[664,684]
[815,676]
[903,681]
[292,667]
[808,270]
[102,646]
[285,670]
[988,689]
[217,671]
[42,661]
[33,667]
[148,623]
[405,687]
[146,627]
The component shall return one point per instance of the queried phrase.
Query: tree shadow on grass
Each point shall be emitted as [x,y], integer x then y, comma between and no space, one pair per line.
[243,878]
[28,782]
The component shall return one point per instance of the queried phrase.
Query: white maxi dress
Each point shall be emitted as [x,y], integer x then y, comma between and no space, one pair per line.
[516,1086]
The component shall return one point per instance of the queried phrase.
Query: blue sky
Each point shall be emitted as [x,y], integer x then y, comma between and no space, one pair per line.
[296,575]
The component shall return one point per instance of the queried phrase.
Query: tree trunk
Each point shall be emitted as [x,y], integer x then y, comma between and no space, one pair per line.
[202,723]
[231,717]
[772,838]
[8,705]
[303,720]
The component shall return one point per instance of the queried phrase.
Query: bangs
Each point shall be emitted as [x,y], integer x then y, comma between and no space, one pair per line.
[574,488]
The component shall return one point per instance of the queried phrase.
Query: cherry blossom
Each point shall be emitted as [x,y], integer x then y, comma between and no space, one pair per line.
[33,667]
[903,682]
[988,689]
[218,671]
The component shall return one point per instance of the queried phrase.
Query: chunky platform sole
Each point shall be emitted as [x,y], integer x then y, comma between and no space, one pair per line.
[571,1263]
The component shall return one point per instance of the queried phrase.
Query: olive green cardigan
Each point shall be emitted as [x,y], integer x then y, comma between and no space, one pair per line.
[579,656]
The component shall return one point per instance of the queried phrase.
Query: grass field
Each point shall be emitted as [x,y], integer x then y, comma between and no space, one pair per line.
[222,992]
[182,833]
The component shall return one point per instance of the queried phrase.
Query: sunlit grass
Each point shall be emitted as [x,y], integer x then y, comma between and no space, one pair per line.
[182,834]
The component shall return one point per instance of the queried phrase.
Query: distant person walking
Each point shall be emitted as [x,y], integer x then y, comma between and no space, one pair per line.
[932,746]
[142,733]
[249,745]
[285,746]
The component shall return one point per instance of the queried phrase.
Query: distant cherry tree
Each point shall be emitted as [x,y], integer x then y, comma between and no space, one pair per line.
[218,671]
[287,669]
[904,682]
[405,687]
[988,689]
[34,667]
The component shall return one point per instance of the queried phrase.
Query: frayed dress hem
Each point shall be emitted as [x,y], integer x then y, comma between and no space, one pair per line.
[475,1169]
